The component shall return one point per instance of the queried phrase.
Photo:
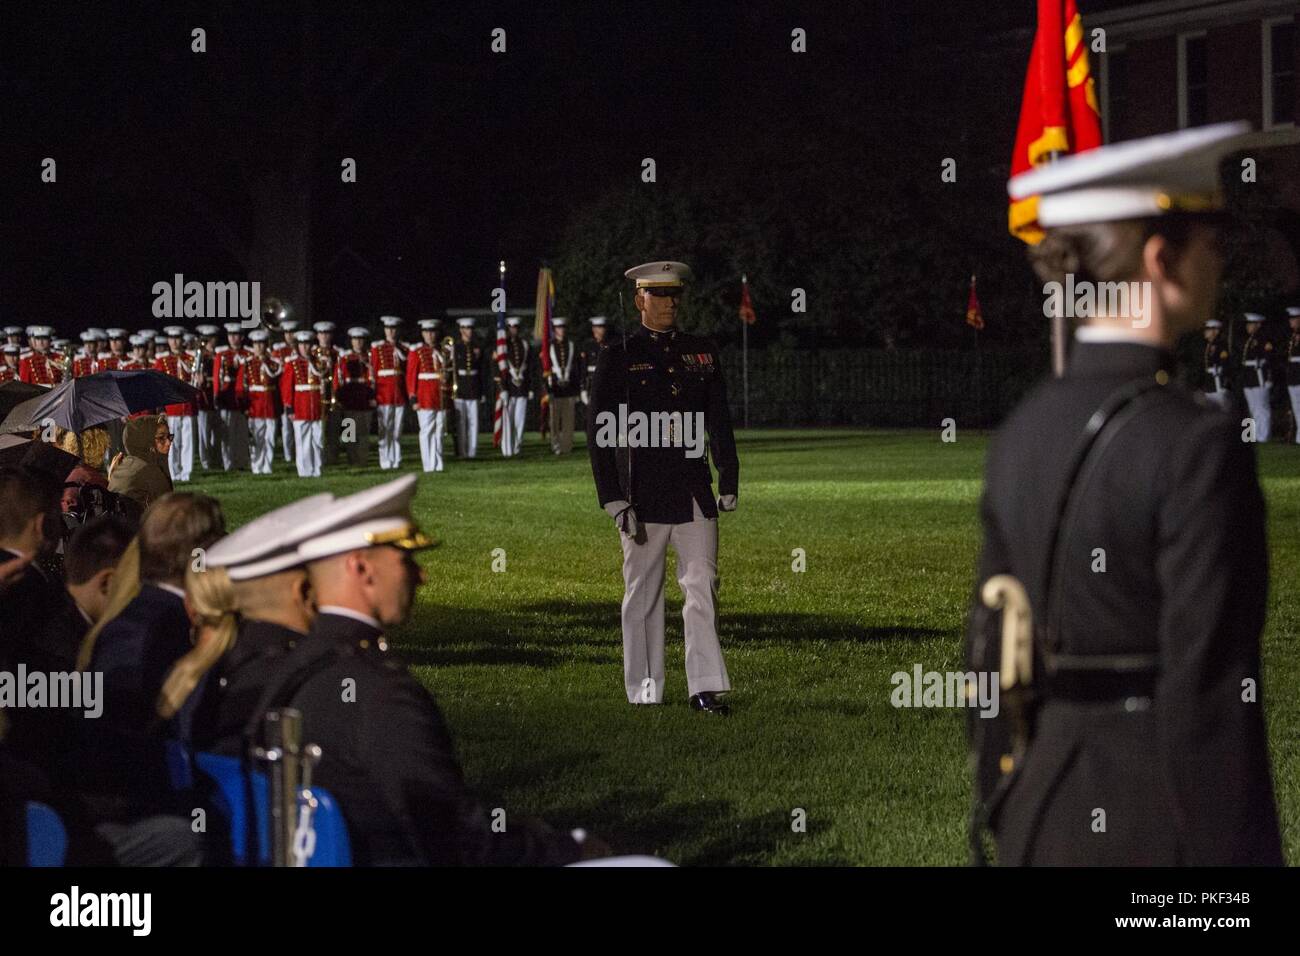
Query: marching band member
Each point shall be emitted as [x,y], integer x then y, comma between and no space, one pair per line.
[1256,376]
[283,351]
[333,417]
[562,387]
[134,362]
[300,389]
[256,383]
[83,362]
[9,369]
[386,361]
[234,423]
[591,352]
[468,388]
[206,419]
[38,367]
[174,361]
[425,378]
[517,384]
[111,360]
[354,387]
[14,336]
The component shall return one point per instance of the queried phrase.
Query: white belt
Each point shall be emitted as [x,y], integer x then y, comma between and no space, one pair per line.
[306,388]
[1255,363]
[385,372]
[427,376]
[257,388]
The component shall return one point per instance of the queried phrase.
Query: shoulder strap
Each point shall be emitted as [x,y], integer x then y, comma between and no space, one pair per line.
[1120,407]
[282,692]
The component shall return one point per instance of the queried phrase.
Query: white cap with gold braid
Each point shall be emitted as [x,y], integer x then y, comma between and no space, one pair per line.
[367,519]
[659,274]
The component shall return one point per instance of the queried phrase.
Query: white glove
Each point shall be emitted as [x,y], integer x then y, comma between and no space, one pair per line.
[530,396]
[583,395]
[727,503]
[624,517]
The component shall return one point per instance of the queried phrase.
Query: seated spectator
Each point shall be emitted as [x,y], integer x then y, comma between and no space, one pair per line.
[27,499]
[144,631]
[140,472]
[91,446]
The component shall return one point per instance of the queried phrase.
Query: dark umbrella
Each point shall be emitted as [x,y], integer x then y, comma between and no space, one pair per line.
[20,417]
[38,456]
[15,392]
[82,403]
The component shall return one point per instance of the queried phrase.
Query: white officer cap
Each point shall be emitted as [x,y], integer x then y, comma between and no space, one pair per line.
[267,544]
[465,323]
[390,321]
[174,332]
[39,331]
[375,516]
[1292,311]
[1153,176]
[59,343]
[258,335]
[597,321]
[430,323]
[13,330]
[512,320]
[159,340]
[234,327]
[659,274]
[149,333]
[1214,324]
[207,330]
[289,325]
[97,332]
[10,349]
[358,332]
[1254,317]
[560,323]
[305,335]
[324,326]
[117,333]
[138,340]
[86,336]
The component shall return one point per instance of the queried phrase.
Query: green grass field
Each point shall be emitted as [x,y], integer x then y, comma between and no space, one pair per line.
[527,663]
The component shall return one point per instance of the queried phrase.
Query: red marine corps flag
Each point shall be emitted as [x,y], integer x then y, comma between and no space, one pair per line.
[974,317]
[1059,112]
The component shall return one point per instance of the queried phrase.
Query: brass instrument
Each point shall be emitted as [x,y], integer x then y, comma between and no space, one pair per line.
[64,366]
[325,369]
[293,838]
[449,377]
[274,311]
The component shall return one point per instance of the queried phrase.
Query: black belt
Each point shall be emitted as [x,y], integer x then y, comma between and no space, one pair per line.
[1100,679]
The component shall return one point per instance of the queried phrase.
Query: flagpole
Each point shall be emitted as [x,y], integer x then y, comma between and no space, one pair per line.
[744,354]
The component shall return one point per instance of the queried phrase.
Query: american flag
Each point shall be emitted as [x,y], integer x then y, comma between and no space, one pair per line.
[498,411]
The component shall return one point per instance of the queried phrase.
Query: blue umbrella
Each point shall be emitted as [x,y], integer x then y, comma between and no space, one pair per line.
[82,403]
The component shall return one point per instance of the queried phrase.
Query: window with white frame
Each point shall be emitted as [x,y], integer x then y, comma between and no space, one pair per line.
[1279,72]
[1193,80]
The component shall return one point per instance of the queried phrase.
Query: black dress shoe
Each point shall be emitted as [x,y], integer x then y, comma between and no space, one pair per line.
[709,702]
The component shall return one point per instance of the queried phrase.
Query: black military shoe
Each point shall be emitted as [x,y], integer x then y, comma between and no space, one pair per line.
[709,702]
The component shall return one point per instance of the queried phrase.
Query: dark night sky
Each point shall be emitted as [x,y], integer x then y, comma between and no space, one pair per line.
[464,156]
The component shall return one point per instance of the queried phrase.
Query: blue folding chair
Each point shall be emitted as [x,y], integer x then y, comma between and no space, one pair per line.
[242,797]
[47,839]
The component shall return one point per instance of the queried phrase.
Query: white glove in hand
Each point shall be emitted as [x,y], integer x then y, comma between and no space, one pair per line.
[727,503]
[624,517]
[583,395]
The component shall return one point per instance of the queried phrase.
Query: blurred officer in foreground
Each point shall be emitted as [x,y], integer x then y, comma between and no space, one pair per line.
[386,753]
[1124,539]
[658,488]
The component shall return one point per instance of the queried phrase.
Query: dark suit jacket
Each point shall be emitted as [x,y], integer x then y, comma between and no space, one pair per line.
[124,751]
[389,760]
[1177,509]
[232,690]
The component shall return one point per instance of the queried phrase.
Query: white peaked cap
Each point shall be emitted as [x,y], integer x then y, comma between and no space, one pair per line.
[1292,311]
[560,323]
[1168,173]
[465,323]
[390,321]
[598,320]
[653,274]
[289,325]
[376,516]
[267,544]
[358,332]
[258,335]
[324,326]
[1254,317]
[206,329]
[304,335]
[234,327]
[1214,324]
